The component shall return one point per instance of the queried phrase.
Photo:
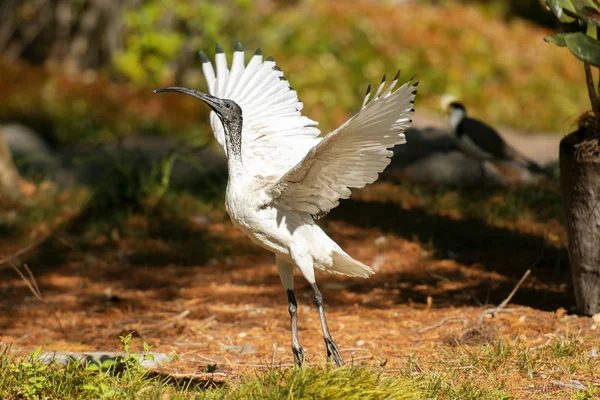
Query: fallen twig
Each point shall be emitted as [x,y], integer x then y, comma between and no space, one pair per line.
[35,289]
[571,384]
[501,306]
[442,322]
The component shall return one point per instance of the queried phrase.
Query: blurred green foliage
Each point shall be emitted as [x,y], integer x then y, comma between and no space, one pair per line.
[159,32]
[329,51]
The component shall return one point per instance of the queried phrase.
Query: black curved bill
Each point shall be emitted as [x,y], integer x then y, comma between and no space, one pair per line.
[212,101]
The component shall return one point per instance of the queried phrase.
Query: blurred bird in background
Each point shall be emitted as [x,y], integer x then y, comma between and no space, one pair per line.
[480,141]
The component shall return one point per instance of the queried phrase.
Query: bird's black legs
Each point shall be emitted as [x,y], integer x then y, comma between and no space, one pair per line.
[286,273]
[332,350]
[296,348]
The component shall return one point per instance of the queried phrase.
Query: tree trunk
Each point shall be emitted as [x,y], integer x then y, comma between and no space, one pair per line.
[580,185]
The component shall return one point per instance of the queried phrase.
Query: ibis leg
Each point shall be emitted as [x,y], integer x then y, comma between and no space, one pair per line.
[296,348]
[332,350]
[286,273]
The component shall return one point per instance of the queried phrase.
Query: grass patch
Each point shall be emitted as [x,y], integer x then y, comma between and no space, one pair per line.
[27,378]
[491,370]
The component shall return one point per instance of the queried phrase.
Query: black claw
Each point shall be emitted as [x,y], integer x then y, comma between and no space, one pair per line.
[203,57]
[299,355]
[333,352]
[383,79]
[368,89]
[258,52]
[218,49]
[238,46]
[397,76]
[270,58]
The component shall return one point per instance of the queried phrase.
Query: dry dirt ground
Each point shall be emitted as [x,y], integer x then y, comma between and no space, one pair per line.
[196,287]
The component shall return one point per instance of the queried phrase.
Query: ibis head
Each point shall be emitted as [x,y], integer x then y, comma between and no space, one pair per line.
[456,107]
[451,105]
[228,112]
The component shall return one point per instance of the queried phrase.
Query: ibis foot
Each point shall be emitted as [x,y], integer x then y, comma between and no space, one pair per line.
[333,352]
[299,357]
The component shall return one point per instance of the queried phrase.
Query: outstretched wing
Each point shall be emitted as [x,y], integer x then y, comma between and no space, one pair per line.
[352,156]
[275,135]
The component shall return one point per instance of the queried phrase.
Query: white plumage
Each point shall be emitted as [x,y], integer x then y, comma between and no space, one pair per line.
[286,175]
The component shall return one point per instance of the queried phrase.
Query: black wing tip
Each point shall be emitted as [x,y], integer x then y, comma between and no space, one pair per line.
[270,58]
[238,46]
[368,89]
[412,110]
[282,78]
[292,89]
[415,92]
[383,78]
[258,52]
[203,57]
[412,101]
[276,68]
[397,75]
[416,84]
[218,48]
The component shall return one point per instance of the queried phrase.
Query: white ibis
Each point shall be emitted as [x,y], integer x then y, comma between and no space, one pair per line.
[283,175]
[478,140]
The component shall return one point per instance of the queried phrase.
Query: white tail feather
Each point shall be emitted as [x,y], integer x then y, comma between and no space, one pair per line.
[345,265]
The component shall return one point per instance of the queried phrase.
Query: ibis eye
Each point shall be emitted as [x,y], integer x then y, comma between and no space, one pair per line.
[227,105]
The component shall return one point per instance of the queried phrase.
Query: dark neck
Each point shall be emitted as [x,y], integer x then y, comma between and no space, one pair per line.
[233,142]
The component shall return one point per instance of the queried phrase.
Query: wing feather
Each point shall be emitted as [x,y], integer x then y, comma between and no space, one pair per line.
[275,135]
[352,156]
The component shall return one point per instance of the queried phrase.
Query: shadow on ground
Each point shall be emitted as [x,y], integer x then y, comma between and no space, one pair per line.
[505,254]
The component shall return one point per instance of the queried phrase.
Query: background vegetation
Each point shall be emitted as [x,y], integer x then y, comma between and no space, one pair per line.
[330,50]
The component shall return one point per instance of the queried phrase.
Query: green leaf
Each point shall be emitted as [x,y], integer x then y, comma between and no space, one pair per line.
[92,367]
[557,39]
[557,7]
[584,47]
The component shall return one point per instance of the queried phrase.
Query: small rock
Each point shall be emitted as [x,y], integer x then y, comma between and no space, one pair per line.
[380,241]
[360,342]
[596,318]
[561,312]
